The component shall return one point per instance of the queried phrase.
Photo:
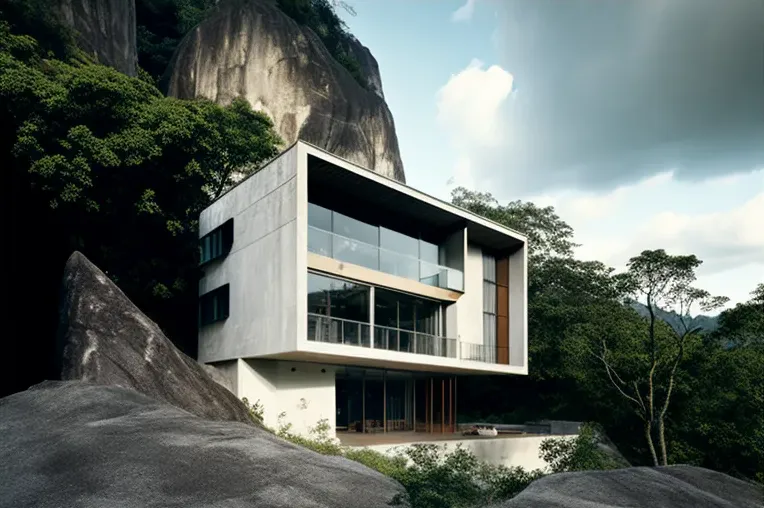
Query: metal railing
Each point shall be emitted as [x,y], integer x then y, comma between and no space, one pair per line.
[335,330]
[484,353]
[338,331]
[396,339]
[378,258]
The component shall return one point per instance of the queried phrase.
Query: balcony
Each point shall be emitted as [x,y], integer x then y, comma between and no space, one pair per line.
[484,353]
[356,252]
[355,333]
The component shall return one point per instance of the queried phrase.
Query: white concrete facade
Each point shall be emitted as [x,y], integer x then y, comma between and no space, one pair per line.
[262,347]
[267,268]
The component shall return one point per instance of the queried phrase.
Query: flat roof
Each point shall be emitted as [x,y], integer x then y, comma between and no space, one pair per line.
[379,190]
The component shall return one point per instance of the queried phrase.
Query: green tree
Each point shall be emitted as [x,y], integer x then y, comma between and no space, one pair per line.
[644,370]
[161,25]
[548,235]
[321,17]
[103,163]
[722,423]
[743,324]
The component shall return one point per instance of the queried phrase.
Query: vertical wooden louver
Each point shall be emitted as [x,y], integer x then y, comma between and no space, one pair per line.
[502,310]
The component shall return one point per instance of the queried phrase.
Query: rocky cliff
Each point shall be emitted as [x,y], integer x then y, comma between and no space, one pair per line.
[105,29]
[252,49]
[104,339]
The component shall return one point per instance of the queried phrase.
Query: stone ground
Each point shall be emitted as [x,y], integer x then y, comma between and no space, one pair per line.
[85,445]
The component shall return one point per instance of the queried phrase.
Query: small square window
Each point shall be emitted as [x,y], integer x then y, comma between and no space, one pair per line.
[214,306]
[217,243]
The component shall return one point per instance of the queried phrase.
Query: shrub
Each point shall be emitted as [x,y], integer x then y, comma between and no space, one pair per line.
[256,411]
[320,16]
[582,453]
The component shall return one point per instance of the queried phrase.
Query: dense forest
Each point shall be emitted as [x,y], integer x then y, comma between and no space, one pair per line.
[106,164]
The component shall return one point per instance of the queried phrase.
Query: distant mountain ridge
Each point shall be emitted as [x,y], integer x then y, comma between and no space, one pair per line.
[707,324]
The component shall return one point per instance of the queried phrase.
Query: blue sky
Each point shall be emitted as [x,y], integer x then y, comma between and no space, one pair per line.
[641,121]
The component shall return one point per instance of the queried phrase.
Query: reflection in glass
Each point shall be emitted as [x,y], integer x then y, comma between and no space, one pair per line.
[355,252]
[397,264]
[319,217]
[320,242]
[355,229]
[428,252]
[398,243]
[337,298]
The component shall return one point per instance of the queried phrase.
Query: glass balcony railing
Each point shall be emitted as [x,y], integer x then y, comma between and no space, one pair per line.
[363,254]
[338,331]
[484,353]
[395,339]
[355,333]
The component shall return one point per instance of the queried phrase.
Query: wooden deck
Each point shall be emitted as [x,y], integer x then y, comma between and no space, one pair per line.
[406,437]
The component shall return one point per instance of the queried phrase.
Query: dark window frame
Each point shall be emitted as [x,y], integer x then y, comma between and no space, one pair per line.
[215,305]
[216,244]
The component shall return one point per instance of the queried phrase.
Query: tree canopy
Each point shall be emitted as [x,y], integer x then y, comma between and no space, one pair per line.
[592,357]
[103,163]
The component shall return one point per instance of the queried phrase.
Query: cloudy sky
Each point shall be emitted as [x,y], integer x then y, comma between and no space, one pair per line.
[641,121]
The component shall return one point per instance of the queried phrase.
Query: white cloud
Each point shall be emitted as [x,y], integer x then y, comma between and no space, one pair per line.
[469,109]
[719,220]
[465,12]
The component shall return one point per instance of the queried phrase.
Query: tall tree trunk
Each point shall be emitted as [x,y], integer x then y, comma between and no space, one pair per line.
[649,438]
[662,440]
[664,409]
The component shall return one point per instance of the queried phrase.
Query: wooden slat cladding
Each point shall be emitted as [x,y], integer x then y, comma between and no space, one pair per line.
[502,311]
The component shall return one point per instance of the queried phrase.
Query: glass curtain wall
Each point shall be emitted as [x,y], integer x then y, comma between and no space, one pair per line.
[338,311]
[489,308]
[371,400]
[405,323]
[340,237]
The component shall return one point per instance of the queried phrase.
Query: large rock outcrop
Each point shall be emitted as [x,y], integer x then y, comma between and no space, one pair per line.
[640,487]
[103,338]
[78,444]
[106,30]
[252,49]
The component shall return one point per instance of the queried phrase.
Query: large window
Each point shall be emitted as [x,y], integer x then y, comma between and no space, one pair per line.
[489,302]
[338,311]
[338,298]
[214,305]
[217,243]
[344,238]
[405,323]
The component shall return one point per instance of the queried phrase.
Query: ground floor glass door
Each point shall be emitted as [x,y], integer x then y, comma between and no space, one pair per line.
[372,400]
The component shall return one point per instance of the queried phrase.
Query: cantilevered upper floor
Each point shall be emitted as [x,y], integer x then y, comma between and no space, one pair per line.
[313,258]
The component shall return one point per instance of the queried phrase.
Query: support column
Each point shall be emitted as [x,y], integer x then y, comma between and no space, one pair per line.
[363,403]
[450,405]
[426,406]
[413,405]
[384,401]
[432,414]
[442,406]
[372,299]
[456,415]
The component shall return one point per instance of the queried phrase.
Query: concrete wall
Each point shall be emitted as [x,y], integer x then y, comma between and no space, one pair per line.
[305,395]
[504,451]
[454,250]
[470,305]
[263,293]
[518,309]
[267,272]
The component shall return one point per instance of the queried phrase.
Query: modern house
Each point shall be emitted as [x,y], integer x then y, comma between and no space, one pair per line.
[330,292]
